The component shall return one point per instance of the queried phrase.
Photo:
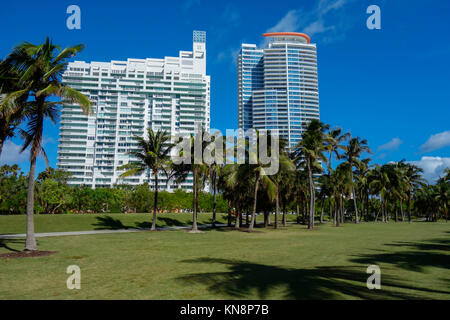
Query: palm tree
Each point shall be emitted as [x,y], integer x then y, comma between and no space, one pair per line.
[215,168]
[236,181]
[197,167]
[308,152]
[40,68]
[442,197]
[301,192]
[380,184]
[256,171]
[362,179]
[280,182]
[413,179]
[152,154]
[334,144]
[340,187]
[353,151]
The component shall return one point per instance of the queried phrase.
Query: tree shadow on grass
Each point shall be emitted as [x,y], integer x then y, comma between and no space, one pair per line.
[170,222]
[428,253]
[166,222]
[245,278]
[4,243]
[109,223]
[435,245]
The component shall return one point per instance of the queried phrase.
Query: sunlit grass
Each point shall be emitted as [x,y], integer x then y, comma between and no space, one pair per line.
[290,263]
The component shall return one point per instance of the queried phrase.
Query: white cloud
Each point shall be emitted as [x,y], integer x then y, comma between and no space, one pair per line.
[325,21]
[432,167]
[48,140]
[391,145]
[436,141]
[230,54]
[11,154]
[290,22]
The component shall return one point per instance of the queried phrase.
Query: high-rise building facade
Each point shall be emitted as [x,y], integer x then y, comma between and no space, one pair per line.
[278,85]
[128,97]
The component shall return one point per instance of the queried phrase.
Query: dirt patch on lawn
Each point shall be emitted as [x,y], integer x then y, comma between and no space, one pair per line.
[27,254]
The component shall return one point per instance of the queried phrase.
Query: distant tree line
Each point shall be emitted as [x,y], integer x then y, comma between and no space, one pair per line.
[54,196]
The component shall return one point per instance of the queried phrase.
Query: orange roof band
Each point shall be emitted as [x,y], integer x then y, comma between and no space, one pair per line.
[298,34]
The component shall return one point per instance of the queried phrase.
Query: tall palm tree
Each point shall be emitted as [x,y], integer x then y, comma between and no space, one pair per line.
[197,167]
[152,154]
[280,181]
[380,184]
[413,179]
[39,68]
[340,187]
[255,170]
[301,191]
[442,197]
[353,151]
[362,182]
[308,153]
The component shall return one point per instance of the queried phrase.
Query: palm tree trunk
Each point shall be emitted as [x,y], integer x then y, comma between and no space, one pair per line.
[367,206]
[284,214]
[237,222]
[336,213]
[255,201]
[335,216]
[402,213]
[229,213]
[409,207]
[354,195]
[321,212]
[362,207]
[304,211]
[297,213]
[30,244]
[194,215]
[266,218]
[277,207]
[214,200]
[155,204]
[311,196]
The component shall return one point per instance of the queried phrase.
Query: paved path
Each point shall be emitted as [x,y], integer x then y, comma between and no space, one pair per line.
[79,233]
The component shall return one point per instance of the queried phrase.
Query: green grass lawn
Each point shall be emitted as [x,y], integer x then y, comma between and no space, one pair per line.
[10,224]
[290,263]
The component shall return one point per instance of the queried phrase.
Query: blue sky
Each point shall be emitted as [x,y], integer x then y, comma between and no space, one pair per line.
[390,86]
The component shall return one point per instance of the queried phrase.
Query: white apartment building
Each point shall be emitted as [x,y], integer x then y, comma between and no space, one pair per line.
[128,97]
[278,85]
